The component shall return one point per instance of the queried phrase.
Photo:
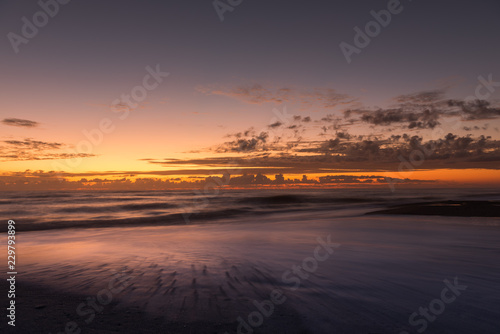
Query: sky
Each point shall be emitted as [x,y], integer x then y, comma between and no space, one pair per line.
[149,94]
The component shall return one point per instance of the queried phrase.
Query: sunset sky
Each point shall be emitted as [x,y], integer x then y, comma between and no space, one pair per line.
[265,91]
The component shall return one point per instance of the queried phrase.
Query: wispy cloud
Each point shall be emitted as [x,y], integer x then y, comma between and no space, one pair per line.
[28,149]
[20,122]
[320,98]
[422,98]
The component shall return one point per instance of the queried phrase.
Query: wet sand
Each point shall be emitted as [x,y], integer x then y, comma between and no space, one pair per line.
[203,279]
[46,310]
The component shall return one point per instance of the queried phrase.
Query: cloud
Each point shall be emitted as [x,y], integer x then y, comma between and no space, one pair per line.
[253,94]
[419,111]
[325,98]
[320,98]
[29,144]
[427,119]
[476,110]
[426,97]
[277,124]
[346,152]
[292,147]
[247,141]
[343,135]
[424,111]
[41,180]
[20,122]
[28,149]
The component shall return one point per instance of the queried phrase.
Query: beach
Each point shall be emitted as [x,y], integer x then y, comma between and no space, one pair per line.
[283,271]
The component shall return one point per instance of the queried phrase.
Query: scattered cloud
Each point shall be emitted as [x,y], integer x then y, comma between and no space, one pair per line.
[20,122]
[247,141]
[292,146]
[427,119]
[40,180]
[424,111]
[476,110]
[347,152]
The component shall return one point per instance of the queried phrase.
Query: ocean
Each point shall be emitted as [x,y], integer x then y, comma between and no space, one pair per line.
[263,261]
[55,210]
